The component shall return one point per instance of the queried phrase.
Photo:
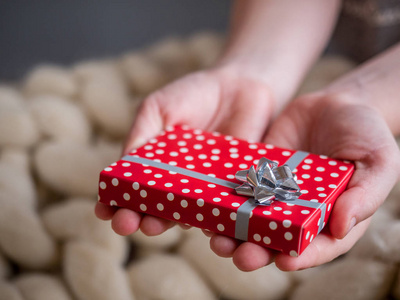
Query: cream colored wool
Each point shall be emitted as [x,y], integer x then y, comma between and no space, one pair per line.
[41,286]
[73,219]
[60,119]
[107,102]
[92,273]
[17,127]
[348,278]
[143,74]
[69,168]
[89,70]
[206,47]
[108,151]
[168,277]
[164,241]
[23,238]
[265,283]
[9,291]
[50,79]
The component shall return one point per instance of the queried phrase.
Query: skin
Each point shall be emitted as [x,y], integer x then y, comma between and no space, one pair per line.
[354,118]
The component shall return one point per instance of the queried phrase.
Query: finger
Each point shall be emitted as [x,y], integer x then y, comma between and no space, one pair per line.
[151,225]
[250,257]
[323,249]
[222,245]
[125,221]
[103,211]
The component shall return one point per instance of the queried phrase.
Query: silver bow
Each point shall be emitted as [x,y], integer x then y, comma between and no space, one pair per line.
[268,182]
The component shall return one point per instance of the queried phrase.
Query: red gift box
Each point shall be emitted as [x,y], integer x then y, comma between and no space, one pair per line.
[188,176]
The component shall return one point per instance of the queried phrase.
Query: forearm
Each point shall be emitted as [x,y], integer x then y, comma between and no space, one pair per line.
[277,41]
[375,83]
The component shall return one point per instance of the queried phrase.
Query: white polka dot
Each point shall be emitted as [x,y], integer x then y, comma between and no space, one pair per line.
[333,186]
[318,179]
[173,153]
[248,157]
[306,167]
[304,191]
[216,199]
[151,182]
[162,144]
[314,200]
[214,157]
[234,155]
[224,194]
[257,237]
[234,142]
[288,236]
[286,153]
[211,175]
[143,193]
[170,196]
[103,185]
[332,163]
[277,208]
[323,156]
[334,175]
[135,186]
[153,141]
[198,147]
[184,180]
[177,216]
[243,166]
[149,154]
[220,227]
[305,176]
[266,240]
[126,164]
[215,151]
[143,207]
[144,165]
[305,212]
[230,176]
[293,253]
[234,204]
[287,212]
[273,225]
[287,223]
[184,150]
[256,161]
[157,175]
[127,197]
[114,181]
[114,164]
[197,131]
[185,191]
[329,206]
[182,143]
[262,151]
[189,158]
[171,136]
[148,147]
[184,203]
[190,166]
[343,168]
[253,146]
[168,184]
[320,169]
[322,195]
[211,185]
[202,156]
[199,217]
[147,171]
[307,235]
[299,181]
[169,128]
[215,212]
[200,202]
[113,203]
[266,212]
[228,165]
[311,238]
[211,142]
[320,189]
[200,138]
[160,206]
[233,216]
[207,164]
[187,136]
[198,191]
[308,161]
[233,150]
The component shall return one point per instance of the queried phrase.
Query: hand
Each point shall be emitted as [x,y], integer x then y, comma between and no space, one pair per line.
[209,100]
[341,128]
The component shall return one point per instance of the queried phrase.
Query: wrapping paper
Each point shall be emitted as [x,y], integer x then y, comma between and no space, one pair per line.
[188,175]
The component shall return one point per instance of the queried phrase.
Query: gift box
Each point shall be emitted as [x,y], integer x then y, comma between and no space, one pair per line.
[209,180]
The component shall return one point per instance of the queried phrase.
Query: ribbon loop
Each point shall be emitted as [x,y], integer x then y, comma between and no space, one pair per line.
[267,182]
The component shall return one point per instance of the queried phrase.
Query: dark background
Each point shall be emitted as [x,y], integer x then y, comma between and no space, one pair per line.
[64,32]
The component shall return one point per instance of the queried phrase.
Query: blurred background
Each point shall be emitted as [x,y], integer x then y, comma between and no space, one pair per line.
[64,32]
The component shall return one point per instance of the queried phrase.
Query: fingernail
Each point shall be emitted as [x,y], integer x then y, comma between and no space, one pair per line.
[352,224]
